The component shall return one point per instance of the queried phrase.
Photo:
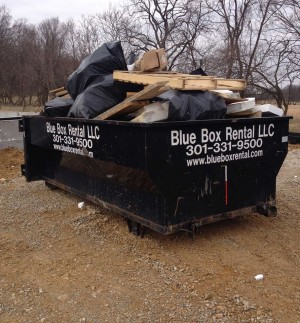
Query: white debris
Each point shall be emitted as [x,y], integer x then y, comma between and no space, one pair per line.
[259,277]
[81,205]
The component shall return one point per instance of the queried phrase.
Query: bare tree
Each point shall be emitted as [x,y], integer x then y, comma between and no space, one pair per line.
[88,35]
[289,15]
[255,46]
[171,24]
[72,44]
[241,25]
[23,57]
[6,49]
[52,63]
[274,71]
[142,25]
[276,63]
[114,25]
[288,22]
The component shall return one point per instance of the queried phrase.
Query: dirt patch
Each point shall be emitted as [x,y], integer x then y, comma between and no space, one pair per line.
[10,161]
[59,263]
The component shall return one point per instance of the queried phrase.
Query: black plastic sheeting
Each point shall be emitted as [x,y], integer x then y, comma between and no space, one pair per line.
[194,105]
[92,85]
[58,107]
[103,61]
[101,95]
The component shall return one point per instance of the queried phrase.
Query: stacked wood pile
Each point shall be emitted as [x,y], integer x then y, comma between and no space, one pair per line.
[159,82]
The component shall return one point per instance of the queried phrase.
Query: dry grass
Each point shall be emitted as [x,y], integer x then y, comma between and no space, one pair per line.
[14,108]
[294,111]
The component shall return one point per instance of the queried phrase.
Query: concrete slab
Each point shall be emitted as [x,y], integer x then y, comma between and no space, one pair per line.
[10,135]
[9,128]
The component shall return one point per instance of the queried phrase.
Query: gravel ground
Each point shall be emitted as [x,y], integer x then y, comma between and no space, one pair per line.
[60,263]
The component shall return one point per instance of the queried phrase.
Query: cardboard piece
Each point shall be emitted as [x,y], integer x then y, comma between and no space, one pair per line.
[153,60]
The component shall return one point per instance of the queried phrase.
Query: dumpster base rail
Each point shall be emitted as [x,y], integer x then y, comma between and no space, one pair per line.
[137,225]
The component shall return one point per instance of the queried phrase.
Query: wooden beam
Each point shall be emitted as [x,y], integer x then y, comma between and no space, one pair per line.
[180,81]
[61,91]
[129,105]
[231,84]
[147,79]
[57,90]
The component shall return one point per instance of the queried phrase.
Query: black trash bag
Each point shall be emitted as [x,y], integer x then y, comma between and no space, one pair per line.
[102,61]
[194,105]
[58,107]
[198,71]
[100,96]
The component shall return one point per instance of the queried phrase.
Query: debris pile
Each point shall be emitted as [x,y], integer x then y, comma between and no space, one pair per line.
[105,87]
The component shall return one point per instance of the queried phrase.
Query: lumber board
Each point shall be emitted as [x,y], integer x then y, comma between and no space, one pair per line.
[134,105]
[180,81]
[61,93]
[146,79]
[128,105]
[231,84]
[57,90]
[172,75]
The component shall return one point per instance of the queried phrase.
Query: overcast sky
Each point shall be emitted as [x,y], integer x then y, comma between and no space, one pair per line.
[37,10]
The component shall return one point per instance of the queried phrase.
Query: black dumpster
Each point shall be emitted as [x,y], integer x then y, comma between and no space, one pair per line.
[165,176]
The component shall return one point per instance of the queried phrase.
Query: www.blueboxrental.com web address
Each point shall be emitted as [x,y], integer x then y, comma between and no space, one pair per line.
[214,159]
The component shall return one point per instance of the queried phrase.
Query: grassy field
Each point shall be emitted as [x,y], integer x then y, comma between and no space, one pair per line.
[19,108]
[294,111]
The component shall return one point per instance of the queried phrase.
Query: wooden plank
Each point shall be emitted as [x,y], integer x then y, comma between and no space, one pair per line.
[231,84]
[126,106]
[57,93]
[159,91]
[181,81]
[61,93]
[57,90]
[134,105]
[172,75]
[200,84]
[146,79]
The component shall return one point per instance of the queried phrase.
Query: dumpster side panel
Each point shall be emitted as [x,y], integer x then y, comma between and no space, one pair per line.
[162,175]
[102,163]
[216,167]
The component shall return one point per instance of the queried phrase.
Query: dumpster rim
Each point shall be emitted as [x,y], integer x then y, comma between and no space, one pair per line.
[160,124]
